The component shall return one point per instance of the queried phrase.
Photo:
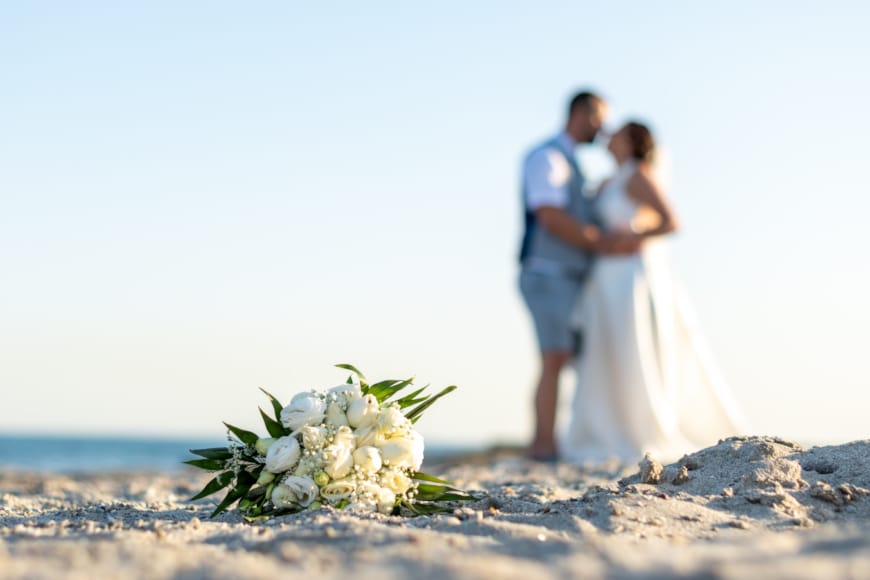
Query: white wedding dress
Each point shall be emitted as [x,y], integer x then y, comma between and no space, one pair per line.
[645,381]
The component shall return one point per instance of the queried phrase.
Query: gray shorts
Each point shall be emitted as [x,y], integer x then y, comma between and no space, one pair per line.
[551,299]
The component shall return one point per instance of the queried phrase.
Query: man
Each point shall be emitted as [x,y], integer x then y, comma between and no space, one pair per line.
[557,251]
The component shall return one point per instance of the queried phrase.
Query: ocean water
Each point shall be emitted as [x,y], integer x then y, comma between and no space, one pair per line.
[76,454]
[58,454]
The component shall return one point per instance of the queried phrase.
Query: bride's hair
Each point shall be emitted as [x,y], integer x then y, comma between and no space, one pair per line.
[640,138]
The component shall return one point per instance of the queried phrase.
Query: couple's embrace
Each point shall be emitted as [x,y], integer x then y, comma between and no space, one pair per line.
[596,279]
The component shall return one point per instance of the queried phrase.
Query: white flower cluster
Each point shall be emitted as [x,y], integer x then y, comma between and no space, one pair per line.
[344,450]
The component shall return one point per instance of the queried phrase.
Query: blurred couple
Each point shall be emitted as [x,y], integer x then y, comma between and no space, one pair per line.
[596,279]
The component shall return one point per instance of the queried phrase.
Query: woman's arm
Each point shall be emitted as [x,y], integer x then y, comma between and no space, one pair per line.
[644,190]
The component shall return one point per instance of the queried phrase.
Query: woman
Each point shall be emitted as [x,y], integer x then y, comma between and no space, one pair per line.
[644,380]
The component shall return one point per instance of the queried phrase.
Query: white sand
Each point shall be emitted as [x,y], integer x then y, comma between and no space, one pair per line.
[757,507]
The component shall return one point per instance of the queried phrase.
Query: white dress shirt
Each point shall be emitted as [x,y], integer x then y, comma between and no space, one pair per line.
[547,174]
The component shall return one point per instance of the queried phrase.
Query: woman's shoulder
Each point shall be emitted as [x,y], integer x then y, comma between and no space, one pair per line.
[642,175]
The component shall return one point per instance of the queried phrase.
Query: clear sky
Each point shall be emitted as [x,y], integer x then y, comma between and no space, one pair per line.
[201,198]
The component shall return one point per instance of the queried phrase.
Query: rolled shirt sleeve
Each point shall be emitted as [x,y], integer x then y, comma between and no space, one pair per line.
[547,175]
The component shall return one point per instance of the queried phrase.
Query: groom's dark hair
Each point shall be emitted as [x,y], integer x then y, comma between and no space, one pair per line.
[584,99]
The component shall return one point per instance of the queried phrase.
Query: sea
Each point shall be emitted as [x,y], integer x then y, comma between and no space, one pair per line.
[89,454]
[79,454]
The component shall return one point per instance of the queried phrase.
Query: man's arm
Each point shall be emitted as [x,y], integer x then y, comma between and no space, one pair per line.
[547,175]
[559,223]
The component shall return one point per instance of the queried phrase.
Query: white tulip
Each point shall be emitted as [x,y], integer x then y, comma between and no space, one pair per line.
[368,459]
[337,490]
[370,437]
[304,409]
[418,449]
[335,416]
[262,445]
[396,481]
[283,454]
[362,412]
[339,455]
[313,438]
[344,437]
[339,464]
[404,452]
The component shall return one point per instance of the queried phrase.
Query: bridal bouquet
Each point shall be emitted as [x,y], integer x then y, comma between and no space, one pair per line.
[352,447]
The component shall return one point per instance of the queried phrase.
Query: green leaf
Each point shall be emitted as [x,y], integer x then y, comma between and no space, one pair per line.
[414,414]
[234,494]
[244,481]
[207,464]
[246,437]
[434,492]
[351,368]
[431,478]
[213,453]
[411,399]
[425,508]
[215,485]
[454,496]
[386,389]
[256,493]
[362,379]
[274,428]
[266,513]
[276,404]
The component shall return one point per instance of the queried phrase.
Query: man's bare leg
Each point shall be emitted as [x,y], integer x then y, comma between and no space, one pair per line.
[546,398]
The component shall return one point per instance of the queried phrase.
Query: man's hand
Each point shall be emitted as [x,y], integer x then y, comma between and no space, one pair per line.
[619,242]
[560,223]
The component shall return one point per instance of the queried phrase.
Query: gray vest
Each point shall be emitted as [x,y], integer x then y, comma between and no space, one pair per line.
[543,247]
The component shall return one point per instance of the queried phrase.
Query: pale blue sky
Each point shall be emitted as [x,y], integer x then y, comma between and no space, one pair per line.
[201,198]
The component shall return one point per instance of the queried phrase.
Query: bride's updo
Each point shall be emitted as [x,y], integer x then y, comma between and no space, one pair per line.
[640,140]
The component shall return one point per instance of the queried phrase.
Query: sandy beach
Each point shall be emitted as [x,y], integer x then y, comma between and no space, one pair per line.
[747,507]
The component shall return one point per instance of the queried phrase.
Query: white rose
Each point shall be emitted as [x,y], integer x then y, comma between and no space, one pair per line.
[262,445]
[404,452]
[337,490]
[303,488]
[362,412]
[349,391]
[368,458]
[283,497]
[386,500]
[396,481]
[304,409]
[391,420]
[283,454]
[313,438]
[335,416]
